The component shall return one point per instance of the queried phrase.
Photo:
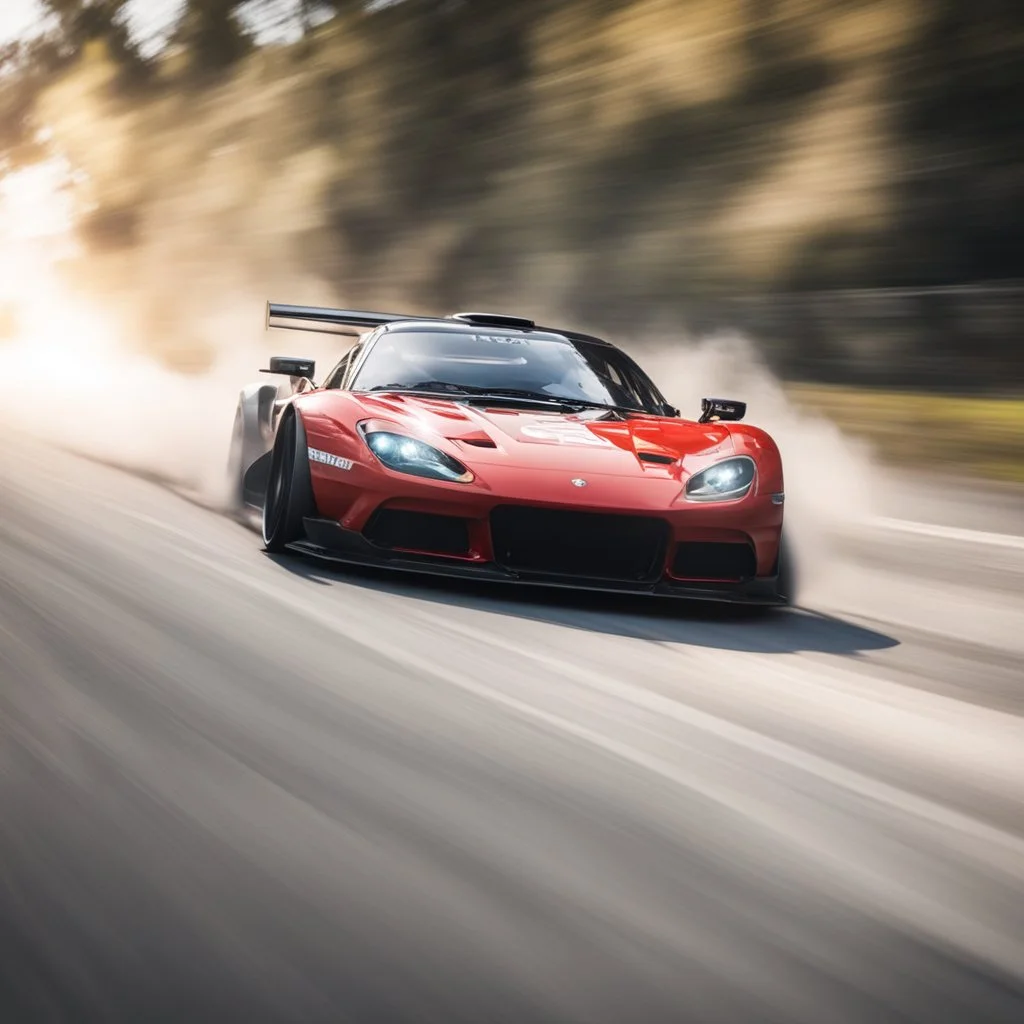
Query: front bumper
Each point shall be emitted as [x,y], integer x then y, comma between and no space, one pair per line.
[327,539]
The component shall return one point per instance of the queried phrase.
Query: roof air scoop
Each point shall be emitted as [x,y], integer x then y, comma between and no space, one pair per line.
[518,323]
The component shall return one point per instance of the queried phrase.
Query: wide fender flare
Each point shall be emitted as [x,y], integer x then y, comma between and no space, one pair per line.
[255,409]
[256,404]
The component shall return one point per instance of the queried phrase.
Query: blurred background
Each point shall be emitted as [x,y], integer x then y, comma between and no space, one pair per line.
[839,181]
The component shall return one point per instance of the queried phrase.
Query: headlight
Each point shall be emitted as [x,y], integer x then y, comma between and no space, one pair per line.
[407,455]
[724,481]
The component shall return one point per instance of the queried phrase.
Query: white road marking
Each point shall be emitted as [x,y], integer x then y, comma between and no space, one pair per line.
[1006,540]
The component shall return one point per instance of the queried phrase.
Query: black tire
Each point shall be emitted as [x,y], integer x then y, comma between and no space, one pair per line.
[289,497]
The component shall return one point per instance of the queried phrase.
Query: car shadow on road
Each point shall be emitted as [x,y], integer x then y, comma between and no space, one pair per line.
[661,620]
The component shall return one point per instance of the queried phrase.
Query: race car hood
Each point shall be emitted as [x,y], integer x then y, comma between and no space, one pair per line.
[589,441]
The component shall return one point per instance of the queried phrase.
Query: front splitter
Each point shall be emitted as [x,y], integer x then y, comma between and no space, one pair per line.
[328,540]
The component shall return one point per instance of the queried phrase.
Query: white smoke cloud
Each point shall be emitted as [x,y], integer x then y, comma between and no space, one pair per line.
[72,378]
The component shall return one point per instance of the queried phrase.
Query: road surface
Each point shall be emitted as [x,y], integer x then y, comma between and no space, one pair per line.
[240,788]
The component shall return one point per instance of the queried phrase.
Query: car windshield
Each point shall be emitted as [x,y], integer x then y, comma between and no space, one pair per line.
[497,362]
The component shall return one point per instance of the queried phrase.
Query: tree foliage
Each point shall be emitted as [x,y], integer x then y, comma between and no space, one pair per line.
[81,22]
[212,34]
[599,137]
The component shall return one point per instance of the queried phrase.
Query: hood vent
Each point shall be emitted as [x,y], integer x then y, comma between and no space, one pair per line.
[480,441]
[661,460]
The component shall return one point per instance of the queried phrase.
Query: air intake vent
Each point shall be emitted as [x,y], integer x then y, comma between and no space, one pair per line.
[518,323]
[588,545]
[661,460]
[476,442]
[418,531]
[714,561]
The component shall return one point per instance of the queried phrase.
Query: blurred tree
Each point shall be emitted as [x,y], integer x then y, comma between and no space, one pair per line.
[962,190]
[26,68]
[469,140]
[213,34]
[305,15]
[80,22]
[309,12]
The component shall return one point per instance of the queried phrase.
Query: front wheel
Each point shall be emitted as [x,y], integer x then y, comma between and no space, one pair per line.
[289,497]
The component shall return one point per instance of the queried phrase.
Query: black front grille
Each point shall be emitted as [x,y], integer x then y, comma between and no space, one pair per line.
[582,544]
[418,531]
[695,560]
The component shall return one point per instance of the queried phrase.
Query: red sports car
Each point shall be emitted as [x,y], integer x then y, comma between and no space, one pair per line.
[484,446]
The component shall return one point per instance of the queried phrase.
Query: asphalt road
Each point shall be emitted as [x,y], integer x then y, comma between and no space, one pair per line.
[237,788]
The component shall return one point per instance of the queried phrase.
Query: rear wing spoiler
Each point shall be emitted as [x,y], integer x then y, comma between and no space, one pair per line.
[323,320]
[329,321]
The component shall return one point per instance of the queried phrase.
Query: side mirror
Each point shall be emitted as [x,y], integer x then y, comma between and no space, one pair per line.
[721,409]
[291,367]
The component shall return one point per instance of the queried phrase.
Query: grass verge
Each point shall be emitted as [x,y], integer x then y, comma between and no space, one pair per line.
[979,436]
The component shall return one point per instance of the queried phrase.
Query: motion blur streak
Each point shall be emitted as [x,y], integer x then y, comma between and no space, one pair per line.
[241,788]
